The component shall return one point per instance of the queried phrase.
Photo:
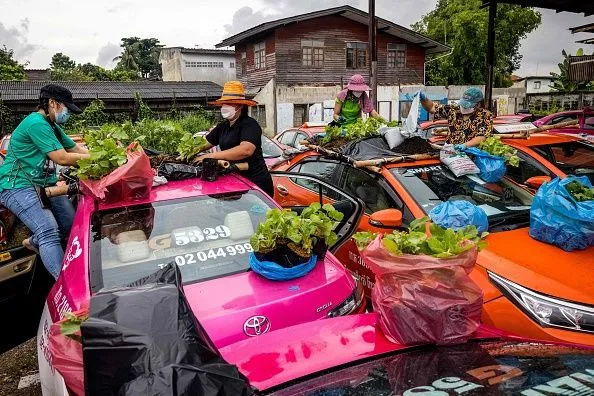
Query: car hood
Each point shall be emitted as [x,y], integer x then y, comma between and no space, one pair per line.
[545,268]
[225,305]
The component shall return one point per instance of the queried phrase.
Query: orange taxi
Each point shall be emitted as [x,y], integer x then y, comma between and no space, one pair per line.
[292,137]
[530,288]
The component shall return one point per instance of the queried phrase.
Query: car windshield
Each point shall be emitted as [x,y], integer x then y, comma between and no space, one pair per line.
[573,158]
[485,368]
[206,236]
[270,149]
[431,185]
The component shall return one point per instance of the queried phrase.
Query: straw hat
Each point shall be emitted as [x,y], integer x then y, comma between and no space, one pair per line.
[233,93]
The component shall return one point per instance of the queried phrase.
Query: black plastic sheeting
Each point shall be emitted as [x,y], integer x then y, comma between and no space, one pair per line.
[172,171]
[145,340]
[376,147]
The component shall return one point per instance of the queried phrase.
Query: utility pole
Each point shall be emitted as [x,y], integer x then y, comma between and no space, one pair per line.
[490,55]
[373,53]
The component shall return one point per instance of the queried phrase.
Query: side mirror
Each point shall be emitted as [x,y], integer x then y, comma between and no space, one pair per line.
[536,181]
[387,218]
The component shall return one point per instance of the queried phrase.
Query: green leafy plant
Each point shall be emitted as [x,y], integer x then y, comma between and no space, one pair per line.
[105,154]
[493,146]
[357,130]
[364,238]
[70,327]
[580,192]
[189,146]
[301,232]
[440,242]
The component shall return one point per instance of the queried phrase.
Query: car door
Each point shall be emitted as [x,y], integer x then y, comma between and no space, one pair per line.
[291,191]
[323,192]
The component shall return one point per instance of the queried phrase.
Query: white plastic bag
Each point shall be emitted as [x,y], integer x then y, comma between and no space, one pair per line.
[392,135]
[457,161]
[411,124]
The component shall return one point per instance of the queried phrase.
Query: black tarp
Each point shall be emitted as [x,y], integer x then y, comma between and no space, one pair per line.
[144,340]
[376,147]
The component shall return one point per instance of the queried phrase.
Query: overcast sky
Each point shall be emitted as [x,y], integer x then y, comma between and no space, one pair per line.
[90,31]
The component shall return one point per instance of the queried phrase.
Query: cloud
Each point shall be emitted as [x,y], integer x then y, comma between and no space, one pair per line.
[15,38]
[107,53]
[245,17]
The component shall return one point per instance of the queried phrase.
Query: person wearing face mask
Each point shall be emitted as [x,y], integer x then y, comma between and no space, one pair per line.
[35,145]
[469,123]
[239,136]
[353,101]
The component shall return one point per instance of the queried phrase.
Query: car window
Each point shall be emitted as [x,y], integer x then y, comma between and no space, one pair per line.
[362,185]
[572,157]
[589,123]
[528,168]
[270,149]
[504,202]
[472,368]
[562,118]
[299,138]
[207,237]
[288,138]
[326,171]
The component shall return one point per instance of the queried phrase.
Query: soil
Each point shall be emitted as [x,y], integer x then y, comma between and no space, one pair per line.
[161,158]
[414,145]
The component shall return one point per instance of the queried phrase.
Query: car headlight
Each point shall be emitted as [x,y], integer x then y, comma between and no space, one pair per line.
[351,304]
[547,311]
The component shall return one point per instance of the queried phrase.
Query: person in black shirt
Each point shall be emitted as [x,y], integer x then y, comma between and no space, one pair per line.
[239,137]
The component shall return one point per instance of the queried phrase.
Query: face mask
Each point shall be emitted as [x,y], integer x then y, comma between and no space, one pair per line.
[63,116]
[228,112]
[467,111]
[357,94]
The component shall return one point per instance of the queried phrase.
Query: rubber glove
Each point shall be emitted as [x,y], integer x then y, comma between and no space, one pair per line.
[459,147]
[341,120]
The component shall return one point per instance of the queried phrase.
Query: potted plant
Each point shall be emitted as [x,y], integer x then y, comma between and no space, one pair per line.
[324,220]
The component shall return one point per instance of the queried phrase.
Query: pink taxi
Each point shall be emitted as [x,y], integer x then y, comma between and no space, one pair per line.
[204,227]
[351,356]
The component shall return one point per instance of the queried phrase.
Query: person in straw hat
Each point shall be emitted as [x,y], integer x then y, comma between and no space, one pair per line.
[353,101]
[239,136]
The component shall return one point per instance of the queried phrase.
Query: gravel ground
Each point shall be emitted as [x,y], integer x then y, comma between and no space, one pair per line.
[17,363]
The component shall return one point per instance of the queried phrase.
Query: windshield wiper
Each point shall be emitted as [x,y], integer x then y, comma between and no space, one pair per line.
[507,217]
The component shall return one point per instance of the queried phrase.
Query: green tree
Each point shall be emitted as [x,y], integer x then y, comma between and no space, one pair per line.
[62,62]
[562,82]
[462,24]
[140,55]
[10,69]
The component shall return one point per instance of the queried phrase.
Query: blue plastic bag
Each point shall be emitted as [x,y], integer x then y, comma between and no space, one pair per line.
[274,271]
[492,167]
[459,214]
[557,218]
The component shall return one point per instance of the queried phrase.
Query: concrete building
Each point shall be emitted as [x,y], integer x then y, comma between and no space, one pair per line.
[295,66]
[535,84]
[197,64]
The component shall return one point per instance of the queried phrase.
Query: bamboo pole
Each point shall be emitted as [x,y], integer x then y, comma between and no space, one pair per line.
[394,160]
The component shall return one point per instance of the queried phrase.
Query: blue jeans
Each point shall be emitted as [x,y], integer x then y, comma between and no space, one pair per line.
[46,225]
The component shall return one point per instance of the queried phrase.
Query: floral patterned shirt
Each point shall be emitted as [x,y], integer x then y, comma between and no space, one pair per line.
[463,128]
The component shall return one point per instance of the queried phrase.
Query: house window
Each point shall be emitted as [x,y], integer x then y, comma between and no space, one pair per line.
[259,114]
[312,53]
[232,65]
[300,113]
[396,56]
[205,64]
[260,56]
[536,84]
[356,55]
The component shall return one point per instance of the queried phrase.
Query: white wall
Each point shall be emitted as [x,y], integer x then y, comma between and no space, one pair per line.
[214,74]
[266,98]
[544,85]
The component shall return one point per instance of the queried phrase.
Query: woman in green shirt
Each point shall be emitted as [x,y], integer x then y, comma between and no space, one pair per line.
[353,101]
[35,145]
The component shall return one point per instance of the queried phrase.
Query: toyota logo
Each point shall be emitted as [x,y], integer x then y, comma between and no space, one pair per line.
[256,325]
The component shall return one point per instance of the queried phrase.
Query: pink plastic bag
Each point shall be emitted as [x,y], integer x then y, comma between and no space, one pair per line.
[67,359]
[131,181]
[423,299]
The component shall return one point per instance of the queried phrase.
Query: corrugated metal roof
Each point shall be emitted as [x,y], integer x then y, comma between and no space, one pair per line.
[88,90]
[578,6]
[581,68]
[431,46]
